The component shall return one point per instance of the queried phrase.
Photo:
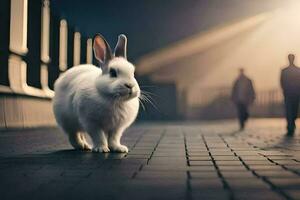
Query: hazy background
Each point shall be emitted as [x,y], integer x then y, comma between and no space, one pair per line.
[152,24]
[186,76]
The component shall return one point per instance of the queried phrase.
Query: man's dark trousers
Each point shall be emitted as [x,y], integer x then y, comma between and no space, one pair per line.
[291,111]
[243,113]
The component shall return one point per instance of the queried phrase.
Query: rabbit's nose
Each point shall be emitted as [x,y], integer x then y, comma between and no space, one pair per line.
[128,85]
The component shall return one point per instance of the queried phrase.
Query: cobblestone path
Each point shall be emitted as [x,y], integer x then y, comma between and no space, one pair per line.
[205,160]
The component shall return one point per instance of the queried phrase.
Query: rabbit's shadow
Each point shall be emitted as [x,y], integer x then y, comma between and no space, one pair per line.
[71,154]
[62,159]
[86,154]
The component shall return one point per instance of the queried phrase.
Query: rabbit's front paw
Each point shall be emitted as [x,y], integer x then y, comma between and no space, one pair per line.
[101,149]
[119,148]
[87,147]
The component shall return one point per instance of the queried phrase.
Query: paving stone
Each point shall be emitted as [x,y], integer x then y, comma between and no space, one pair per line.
[136,151]
[252,158]
[200,163]
[272,153]
[286,183]
[278,174]
[232,168]
[294,194]
[161,175]
[207,184]
[168,153]
[287,162]
[130,156]
[292,167]
[201,153]
[247,153]
[225,158]
[258,162]
[199,158]
[144,148]
[164,168]
[203,175]
[265,167]
[280,157]
[240,175]
[247,183]
[257,194]
[76,173]
[222,153]
[201,168]
[216,195]
[229,163]
[168,162]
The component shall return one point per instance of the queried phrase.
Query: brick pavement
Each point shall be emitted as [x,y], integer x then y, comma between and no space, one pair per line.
[206,160]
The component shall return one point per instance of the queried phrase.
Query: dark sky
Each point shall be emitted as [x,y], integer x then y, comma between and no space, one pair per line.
[152,24]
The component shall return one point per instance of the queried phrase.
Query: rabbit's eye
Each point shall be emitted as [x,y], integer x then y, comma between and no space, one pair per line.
[113,73]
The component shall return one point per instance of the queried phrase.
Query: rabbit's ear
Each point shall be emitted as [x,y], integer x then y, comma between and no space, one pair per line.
[121,47]
[102,50]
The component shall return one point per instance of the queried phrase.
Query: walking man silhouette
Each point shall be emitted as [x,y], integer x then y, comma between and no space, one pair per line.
[243,95]
[290,84]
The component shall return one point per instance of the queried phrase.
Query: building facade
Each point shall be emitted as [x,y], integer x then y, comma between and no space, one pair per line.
[35,47]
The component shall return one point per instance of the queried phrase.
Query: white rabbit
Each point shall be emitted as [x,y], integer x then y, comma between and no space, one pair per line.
[101,103]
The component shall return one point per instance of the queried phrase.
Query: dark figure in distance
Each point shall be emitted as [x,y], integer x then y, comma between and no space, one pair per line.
[243,95]
[290,84]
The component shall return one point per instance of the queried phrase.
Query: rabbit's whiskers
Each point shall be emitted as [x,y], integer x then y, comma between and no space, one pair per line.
[146,97]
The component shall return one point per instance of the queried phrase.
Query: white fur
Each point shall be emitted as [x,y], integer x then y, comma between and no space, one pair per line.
[88,101]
